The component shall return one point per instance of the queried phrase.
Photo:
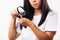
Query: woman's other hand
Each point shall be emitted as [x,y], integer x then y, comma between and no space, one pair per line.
[14,13]
[24,21]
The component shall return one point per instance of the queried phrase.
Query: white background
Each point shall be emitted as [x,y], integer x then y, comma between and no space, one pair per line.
[7,5]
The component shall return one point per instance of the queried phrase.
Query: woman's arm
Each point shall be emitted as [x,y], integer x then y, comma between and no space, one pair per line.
[42,35]
[12,29]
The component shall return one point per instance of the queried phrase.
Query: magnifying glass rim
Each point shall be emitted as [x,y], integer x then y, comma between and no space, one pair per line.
[18,8]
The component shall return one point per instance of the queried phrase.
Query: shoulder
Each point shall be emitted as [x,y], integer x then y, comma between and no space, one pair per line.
[52,13]
[51,21]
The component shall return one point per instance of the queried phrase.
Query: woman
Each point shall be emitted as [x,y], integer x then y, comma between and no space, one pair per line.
[39,23]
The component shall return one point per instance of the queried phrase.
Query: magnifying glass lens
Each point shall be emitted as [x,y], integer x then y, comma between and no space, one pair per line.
[21,11]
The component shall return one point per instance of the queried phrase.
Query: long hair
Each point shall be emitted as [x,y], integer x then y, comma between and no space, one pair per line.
[30,10]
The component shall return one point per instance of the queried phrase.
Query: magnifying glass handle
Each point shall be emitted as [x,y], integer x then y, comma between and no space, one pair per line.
[19,16]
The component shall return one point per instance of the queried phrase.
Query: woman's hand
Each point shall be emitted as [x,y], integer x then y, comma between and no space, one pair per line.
[14,13]
[24,21]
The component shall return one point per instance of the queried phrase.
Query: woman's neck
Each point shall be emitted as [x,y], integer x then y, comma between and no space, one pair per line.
[37,12]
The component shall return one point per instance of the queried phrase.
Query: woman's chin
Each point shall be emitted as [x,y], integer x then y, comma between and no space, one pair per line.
[36,7]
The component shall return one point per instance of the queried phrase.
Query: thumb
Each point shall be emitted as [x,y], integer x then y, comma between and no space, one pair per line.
[20,20]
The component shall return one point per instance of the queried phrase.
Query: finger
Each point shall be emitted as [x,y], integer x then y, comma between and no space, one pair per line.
[20,21]
[14,12]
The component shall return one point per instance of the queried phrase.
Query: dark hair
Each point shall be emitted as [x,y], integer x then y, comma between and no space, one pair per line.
[30,10]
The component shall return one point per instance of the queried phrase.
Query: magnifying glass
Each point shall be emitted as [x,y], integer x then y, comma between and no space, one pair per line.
[21,11]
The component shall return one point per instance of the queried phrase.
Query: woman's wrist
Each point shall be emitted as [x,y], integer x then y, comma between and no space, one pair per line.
[30,24]
[13,19]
